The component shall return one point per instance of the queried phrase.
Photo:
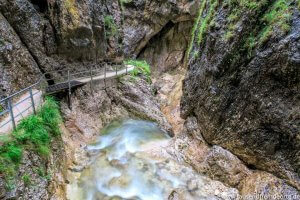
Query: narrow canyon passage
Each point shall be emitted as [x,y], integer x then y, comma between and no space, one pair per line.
[210,109]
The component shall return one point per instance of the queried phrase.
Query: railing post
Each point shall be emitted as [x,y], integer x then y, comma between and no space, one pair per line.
[10,107]
[105,75]
[126,68]
[32,100]
[69,93]
[116,70]
[91,82]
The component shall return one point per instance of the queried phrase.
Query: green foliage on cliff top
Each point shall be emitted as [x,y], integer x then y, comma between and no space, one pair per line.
[206,21]
[274,15]
[34,133]
[196,24]
[278,16]
[141,67]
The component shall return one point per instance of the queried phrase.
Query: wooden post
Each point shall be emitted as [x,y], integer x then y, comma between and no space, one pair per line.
[32,100]
[69,92]
[126,68]
[11,113]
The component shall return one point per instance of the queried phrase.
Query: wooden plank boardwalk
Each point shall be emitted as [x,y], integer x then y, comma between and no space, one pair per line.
[25,102]
[52,89]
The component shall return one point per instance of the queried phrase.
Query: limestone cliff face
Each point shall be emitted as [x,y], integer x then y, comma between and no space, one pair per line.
[48,35]
[158,31]
[243,82]
[57,34]
[16,62]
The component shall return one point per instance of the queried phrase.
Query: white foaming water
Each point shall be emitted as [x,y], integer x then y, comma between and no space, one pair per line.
[124,168]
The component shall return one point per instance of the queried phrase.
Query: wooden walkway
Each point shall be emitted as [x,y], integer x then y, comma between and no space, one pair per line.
[26,101]
[72,83]
[52,89]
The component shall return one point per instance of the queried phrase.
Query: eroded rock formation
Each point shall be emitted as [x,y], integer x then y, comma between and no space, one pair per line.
[243,82]
[158,31]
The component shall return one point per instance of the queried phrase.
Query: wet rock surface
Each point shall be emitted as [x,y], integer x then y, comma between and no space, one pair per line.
[247,103]
[165,51]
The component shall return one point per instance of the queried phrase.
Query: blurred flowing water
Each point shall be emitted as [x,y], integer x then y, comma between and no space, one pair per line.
[123,168]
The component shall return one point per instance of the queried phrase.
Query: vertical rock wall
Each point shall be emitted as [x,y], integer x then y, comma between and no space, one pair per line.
[243,82]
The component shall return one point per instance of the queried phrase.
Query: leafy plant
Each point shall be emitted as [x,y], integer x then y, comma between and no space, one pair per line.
[110,26]
[141,67]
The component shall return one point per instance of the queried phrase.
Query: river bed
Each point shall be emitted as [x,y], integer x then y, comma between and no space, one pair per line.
[129,160]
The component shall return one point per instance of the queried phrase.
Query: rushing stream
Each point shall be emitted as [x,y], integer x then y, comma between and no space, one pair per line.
[125,167]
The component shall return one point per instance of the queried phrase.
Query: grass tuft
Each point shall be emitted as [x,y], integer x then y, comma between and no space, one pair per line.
[141,67]
[26,180]
[34,133]
[110,26]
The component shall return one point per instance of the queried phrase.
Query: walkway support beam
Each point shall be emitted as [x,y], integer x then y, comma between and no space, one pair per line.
[69,93]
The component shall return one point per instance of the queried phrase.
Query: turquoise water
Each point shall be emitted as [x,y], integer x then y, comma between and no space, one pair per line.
[120,169]
[130,161]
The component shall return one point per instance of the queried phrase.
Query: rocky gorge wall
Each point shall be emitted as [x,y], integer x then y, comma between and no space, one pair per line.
[242,82]
[158,31]
[41,36]
[240,100]
[58,34]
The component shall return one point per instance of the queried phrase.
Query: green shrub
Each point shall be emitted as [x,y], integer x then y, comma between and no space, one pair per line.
[33,133]
[141,67]
[50,116]
[122,2]
[1,108]
[13,152]
[32,130]
[194,29]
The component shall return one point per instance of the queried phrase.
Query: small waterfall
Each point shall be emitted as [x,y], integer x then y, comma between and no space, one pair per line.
[128,164]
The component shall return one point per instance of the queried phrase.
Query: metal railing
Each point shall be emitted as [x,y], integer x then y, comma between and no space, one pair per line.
[11,103]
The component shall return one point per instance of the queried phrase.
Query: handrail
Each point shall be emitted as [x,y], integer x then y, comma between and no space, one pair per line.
[20,91]
[94,71]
